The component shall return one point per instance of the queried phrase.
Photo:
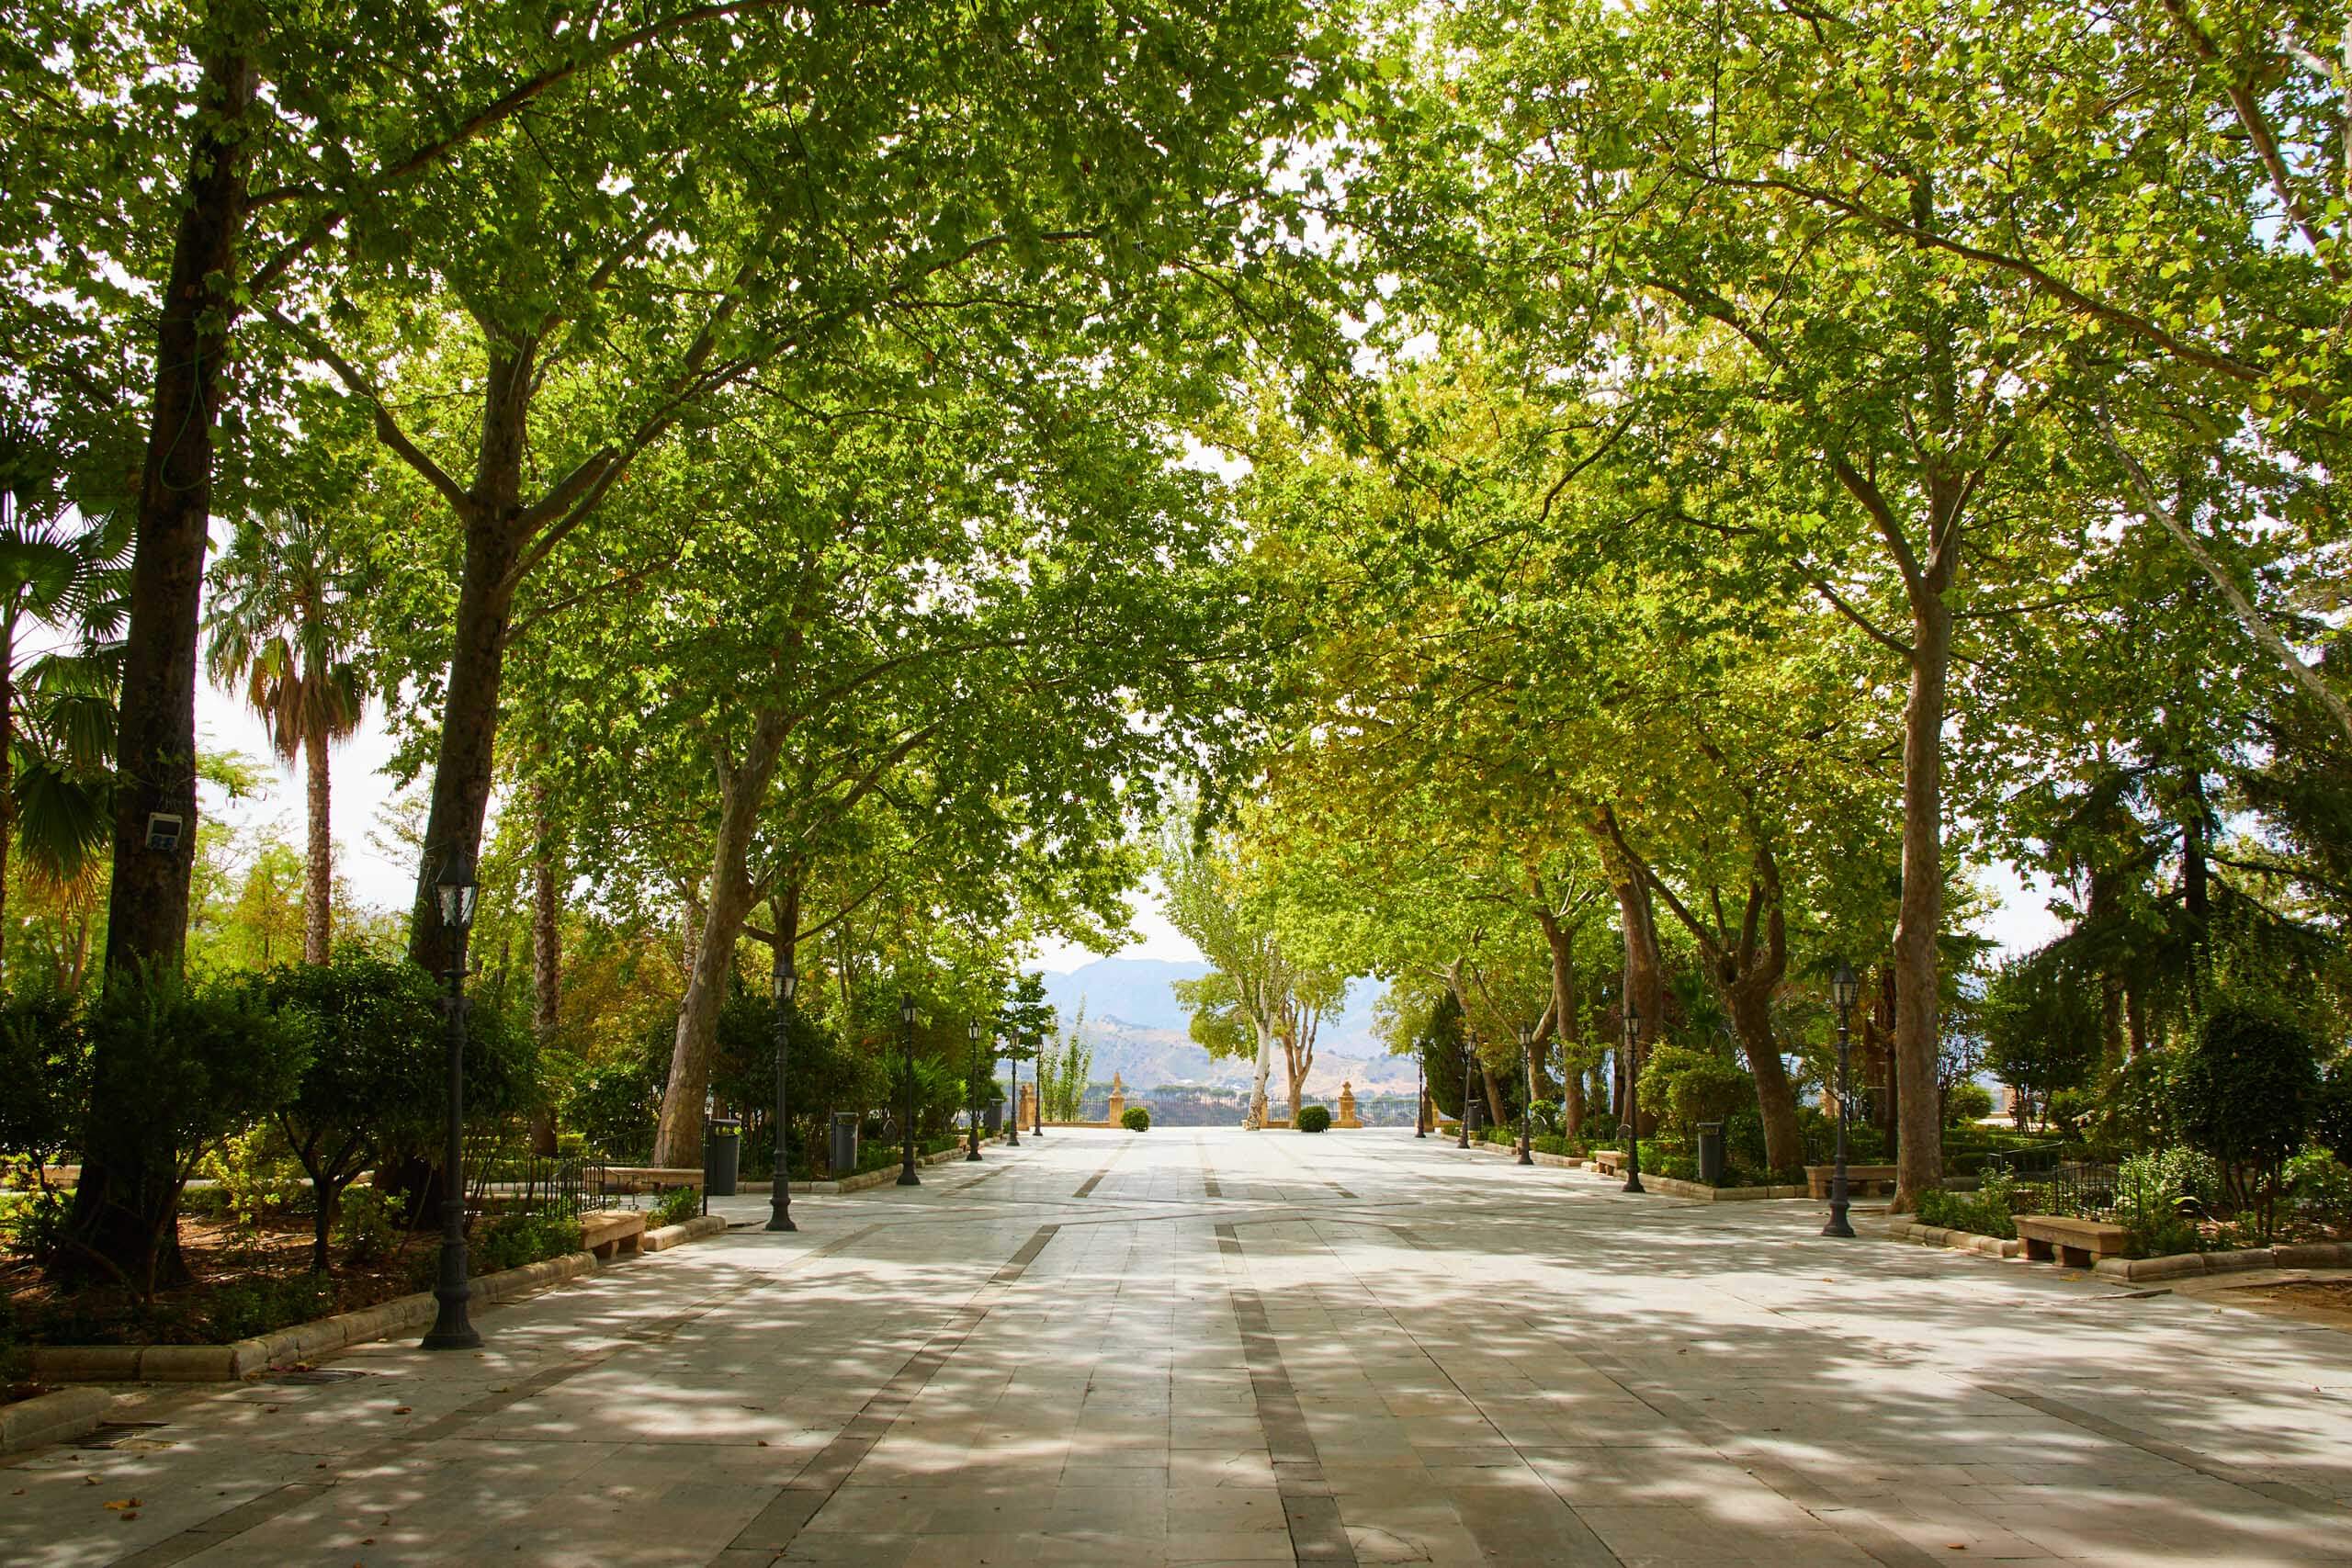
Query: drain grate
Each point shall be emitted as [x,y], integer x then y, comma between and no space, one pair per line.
[115,1433]
[305,1375]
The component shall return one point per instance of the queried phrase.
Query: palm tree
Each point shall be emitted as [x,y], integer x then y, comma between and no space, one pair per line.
[56,708]
[280,629]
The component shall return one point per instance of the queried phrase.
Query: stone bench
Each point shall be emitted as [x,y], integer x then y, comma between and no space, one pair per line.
[629,1178]
[609,1233]
[1609,1162]
[1859,1179]
[2078,1243]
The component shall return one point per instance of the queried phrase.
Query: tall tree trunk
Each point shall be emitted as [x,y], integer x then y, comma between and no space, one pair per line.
[1561,941]
[1919,1159]
[1644,974]
[1257,1114]
[743,793]
[496,539]
[547,950]
[124,1221]
[318,872]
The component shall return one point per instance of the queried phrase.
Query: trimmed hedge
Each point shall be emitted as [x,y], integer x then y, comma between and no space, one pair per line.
[1315,1119]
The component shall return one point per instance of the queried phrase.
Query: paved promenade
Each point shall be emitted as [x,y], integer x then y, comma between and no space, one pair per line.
[1205,1347]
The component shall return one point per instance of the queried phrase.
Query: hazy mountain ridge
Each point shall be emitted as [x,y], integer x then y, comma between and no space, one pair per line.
[1138,1031]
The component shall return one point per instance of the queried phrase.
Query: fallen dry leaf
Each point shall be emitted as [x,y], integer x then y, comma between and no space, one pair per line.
[402,1409]
[124,1503]
[129,1514]
[89,1481]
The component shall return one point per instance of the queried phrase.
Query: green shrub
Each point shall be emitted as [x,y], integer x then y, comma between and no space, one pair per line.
[1315,1119]
[45,1062]
[255,1172]
[1684,1087]
[2150,1190]
[1985,1211]
[675,1207]
[2332,1115]
[369,1225]
[1135,1118]
[1969,1102]
[2319,1185]
[510,1241]
[264,1305]
[2247,1091]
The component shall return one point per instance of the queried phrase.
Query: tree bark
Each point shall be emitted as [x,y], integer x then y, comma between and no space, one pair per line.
[496,539]
[8,776]
[1644,976]
[318,882]
[1561,941]
[125,1207]
[743,793]
[1919,1159]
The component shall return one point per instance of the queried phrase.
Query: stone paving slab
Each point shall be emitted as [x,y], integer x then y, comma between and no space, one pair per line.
[1199,1347]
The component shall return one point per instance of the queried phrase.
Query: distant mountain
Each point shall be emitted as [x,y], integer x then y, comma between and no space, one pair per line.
[1139,1031]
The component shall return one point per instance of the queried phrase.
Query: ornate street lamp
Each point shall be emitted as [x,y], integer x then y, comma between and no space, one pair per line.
[1633,1065]
[1469,1056]
[1843,989]
[907,1177]
[450,1330]
[782,983]
[1527,1112]
[972,1090]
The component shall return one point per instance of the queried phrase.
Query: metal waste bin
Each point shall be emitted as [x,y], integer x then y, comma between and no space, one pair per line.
[722,1156]
[1477,1111]
[1710,1153]
[992,1119]
[841,1154]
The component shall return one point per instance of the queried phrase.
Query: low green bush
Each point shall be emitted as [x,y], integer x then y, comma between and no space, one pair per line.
[1967,1101]
[369,1225]
[674,1207]
[1135,1118]
[1315,1119]
[264,1305]
[511,1240]
[1985,1211]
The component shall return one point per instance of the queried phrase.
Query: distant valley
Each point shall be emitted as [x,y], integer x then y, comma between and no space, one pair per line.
[1138,1031]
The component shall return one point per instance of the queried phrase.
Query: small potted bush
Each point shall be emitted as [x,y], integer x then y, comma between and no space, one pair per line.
[1135,1118]
[1315,1119]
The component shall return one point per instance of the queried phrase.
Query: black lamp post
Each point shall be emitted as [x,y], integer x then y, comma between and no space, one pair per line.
[782,983]
[1843,989]
[1633,1065]
[907,1177]
[1421,1101]
[1527,1112]
[1469,1056]
[1038,1100]
[972,1091]
[450,1330]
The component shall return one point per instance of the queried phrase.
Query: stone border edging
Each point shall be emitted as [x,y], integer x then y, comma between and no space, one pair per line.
[1899,1229]
[867,1179]
[245,1359]
[2180,1265]
[667,1236]
[55,1418]
[1511,1151]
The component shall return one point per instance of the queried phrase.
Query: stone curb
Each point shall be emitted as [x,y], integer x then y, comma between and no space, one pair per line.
[52,1417]
[309,1341]
[1557,1162]
[668,1237]
[1960,1241]
[2181,1265]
